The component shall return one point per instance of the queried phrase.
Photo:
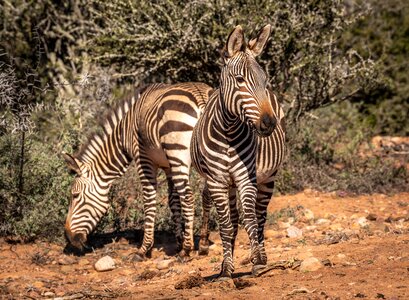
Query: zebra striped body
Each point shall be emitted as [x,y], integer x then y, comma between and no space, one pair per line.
[225,142]
[270,155]
[153,129]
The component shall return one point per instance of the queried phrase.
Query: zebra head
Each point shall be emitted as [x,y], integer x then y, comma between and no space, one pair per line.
[243,83]
[89,202]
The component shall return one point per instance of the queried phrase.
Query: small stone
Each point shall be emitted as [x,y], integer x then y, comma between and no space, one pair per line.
[308,215]
[294,232]
[310,264]
[164,264]
[67,260]
[360,223]
[340,259]
[371,217]
[322,222]
[105,263]
[49,294]
[38,284]
[336,227]
[283,225]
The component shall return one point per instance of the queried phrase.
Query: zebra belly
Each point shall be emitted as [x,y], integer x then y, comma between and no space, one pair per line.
[158,156]
[264,175]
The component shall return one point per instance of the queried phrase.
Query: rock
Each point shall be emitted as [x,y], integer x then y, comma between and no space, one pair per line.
[371,217]
[340,259]
[105,263]
[310,264]
[283,225]
[322,222]
[308,214]
[294,232]
[164,264]
[67,260]
[49,294]
[336,227]
[38,284]
[360,223]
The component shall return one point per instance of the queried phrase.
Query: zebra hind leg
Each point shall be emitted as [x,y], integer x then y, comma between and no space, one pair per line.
[174,205]
[180,179]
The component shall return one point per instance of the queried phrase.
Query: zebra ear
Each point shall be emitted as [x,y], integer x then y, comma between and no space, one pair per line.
[256,45]
[72,163]
[235,42]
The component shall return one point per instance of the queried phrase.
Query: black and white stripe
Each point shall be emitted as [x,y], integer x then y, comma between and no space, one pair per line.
[236,133]
[152,128]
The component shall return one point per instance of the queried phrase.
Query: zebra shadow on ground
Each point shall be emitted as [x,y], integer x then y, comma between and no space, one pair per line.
[164,240]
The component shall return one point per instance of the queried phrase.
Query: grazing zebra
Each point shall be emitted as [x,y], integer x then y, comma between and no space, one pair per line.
[270,154]
[152,128]
[225,145]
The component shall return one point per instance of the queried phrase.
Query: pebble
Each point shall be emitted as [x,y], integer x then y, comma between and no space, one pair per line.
[105,263]
[67,260]
[336,227]
[311,264]
[283,225]
[164,264]
[49,294]
[294,232]
[340,259]
[322,221]
[38,284]
[308,215]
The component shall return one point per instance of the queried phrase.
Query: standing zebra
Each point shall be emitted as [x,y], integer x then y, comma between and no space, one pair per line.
[270,154]
[152,128]
[224,145]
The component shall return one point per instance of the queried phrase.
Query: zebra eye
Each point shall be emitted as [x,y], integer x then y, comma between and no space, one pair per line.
[240,78]
[75,194]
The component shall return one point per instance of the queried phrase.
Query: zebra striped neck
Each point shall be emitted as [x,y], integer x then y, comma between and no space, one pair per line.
[224,118]
[104,152]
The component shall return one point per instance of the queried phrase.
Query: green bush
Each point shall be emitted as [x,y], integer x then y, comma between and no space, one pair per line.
[40,209]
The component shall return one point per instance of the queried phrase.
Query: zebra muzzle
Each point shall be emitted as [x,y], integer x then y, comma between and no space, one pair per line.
[267,125]
[77,239]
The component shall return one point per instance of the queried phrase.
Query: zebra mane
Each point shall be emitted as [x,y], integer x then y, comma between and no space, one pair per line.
[108,122]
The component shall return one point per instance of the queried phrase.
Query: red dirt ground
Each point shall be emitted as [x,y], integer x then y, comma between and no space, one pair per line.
[364,258]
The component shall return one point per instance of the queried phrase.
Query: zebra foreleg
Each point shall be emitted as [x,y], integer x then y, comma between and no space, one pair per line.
[248,197]
[147,175]
[204,229]
[219,195]
[264,194]
[234,214]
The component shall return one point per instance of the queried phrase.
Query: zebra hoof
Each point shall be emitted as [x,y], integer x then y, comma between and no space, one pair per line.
[137,257]
[183,258]
[257,270]
[203,250]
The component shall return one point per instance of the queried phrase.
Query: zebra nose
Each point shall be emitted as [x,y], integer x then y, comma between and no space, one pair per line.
[76,239]
[267,124]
